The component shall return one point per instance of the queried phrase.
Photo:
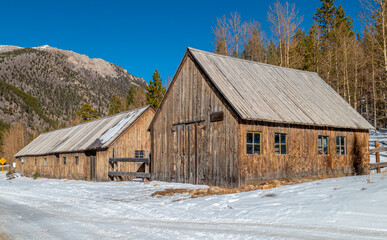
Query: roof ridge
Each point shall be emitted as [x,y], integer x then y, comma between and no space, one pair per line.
[250,61]
[98,119]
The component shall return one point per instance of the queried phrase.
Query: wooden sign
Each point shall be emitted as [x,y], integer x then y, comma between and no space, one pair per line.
[217,116]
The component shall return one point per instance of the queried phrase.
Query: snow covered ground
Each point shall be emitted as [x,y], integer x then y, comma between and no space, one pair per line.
[338,208]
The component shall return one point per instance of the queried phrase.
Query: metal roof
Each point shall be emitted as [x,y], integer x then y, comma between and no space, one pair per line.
[264,92]
[91,135]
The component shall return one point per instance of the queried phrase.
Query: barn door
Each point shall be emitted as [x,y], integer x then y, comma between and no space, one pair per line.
[92,167]
[186,144]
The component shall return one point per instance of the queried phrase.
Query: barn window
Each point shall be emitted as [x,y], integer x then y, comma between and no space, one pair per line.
[323,145]
[340,146]
[253,143]
[76,160]
[280,143]
[45,161]
[22,160]
[64,160]
[36,162]
[139,153]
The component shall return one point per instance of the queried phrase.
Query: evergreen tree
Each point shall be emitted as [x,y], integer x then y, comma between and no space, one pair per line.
[155,90]
[87,113]
[330,17]
[114,105]
[254,48]
[130,95]
[325,16]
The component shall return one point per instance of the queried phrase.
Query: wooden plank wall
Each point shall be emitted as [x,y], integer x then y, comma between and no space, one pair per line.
[135,138]
[191,98]
[55,167]
[302,158]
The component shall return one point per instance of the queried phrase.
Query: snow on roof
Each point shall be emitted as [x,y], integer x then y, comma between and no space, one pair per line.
[91,135]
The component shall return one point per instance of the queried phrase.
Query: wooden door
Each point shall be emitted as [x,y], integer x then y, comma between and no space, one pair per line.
[92,167]
[186,151]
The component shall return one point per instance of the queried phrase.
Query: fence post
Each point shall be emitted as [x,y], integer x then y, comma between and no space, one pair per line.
[377,154]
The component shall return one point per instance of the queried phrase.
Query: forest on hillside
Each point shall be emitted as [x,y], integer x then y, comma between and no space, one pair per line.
[352,63]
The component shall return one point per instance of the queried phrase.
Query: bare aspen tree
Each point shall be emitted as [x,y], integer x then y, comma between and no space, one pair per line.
[290,22]
[14,140]
[222,34]
[275,17]
[238,32]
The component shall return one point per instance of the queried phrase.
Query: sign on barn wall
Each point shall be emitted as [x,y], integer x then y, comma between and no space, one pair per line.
[217,116]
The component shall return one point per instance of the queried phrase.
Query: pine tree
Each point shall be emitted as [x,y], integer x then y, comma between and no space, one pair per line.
[130,95]
[114,105]
[155,90]
[325,16]
[87,113]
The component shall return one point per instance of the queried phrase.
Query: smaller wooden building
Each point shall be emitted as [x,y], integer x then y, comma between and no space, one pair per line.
[230,122]
[83,151]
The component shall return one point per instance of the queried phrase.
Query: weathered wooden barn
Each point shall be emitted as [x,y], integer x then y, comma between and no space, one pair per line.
[83,151]
[230,122]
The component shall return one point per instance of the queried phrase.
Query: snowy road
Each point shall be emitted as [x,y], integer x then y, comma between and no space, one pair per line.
[342,208]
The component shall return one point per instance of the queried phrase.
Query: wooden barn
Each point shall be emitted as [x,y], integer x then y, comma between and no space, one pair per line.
[229,122]
[88,150]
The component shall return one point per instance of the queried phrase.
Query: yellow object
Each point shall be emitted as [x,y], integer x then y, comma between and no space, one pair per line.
[2,161]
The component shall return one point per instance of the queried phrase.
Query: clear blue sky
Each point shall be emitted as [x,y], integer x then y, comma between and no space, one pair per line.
[140,36]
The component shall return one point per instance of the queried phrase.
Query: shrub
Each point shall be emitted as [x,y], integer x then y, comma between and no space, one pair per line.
[36,175]
[9,173]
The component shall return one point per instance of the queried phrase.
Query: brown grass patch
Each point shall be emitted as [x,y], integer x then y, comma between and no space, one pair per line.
[214,190]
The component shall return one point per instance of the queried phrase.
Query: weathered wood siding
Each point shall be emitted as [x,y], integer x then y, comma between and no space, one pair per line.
[175,156]
[134,138]
[55,167]
[302,158]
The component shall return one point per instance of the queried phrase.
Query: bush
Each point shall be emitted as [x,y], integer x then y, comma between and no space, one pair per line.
[9,173]
[85,178]
[36,175]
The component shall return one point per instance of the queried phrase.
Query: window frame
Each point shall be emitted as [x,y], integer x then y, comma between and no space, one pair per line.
[36,162]
[139,153]
[64,160]
[344,146]
[253,143]
[45,162]
[322,153]
[280,143]
[76,158]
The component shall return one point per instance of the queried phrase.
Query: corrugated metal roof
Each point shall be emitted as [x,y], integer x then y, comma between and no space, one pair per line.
[91,135]
[271,93]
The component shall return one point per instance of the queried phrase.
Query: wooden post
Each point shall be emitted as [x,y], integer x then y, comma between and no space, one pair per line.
[377,154]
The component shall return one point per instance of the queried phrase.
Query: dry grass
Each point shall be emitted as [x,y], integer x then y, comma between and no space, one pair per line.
[3,237]
[213,190]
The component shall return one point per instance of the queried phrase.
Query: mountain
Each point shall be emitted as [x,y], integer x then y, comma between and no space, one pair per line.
[44,85]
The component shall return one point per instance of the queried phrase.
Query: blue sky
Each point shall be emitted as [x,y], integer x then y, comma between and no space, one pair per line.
[140,36]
